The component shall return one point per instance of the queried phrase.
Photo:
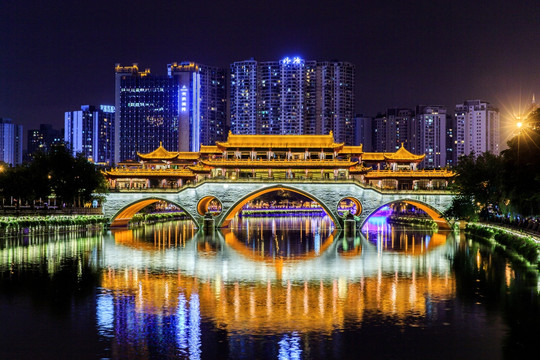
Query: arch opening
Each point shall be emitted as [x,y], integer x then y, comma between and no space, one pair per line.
[349,205]
[397,205]
[403,226]
[122,218]
[238,207]
[209,205]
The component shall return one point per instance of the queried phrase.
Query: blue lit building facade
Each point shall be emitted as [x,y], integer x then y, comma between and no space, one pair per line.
[11,141]
[183,109]
[293,96]
[90,131]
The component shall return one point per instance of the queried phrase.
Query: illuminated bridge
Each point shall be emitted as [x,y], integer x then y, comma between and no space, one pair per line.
[194,199]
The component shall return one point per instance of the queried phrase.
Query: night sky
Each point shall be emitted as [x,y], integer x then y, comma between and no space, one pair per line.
[57,55]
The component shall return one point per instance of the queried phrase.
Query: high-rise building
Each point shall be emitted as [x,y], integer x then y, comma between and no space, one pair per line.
[293,96]
[393,129]
[243,104]
[335,100]
[182,109]
[363,132]
[11,141]
[477,128]
[90,131]
[41,139]
[450,129]
[431,135]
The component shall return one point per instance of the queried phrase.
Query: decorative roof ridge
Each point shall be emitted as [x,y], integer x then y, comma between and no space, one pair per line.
[159,153]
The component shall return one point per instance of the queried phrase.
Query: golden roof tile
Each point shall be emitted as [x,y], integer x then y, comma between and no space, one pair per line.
[404,155]
[280,141]
[160,153]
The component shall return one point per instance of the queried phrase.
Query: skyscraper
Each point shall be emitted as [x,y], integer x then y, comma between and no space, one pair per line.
[335,100]
[393,129]
[293,96]
[11,141]
[244,97]
[431,135]
[90,131]
[477,128]
[182,109]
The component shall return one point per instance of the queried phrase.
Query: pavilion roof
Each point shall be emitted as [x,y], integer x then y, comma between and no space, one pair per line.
[160,154]
[403,155]
[280,141]
[372,156]
[210,149]
[352,150]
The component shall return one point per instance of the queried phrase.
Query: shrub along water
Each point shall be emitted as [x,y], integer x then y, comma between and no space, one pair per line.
[412,221]
[524,246]
[44,224]
[155,217]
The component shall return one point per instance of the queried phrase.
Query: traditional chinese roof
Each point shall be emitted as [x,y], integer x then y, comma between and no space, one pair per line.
[159,154]
[370,156]
[352,150]
[359,169]
[279,141]
[209,149]
[199,168]
[188,155]
[403,155]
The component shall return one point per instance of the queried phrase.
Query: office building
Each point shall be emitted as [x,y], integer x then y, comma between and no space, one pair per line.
[11,141]
[477,128]
[90,131]
[182,109]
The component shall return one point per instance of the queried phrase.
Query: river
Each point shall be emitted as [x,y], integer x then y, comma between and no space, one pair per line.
[266,288]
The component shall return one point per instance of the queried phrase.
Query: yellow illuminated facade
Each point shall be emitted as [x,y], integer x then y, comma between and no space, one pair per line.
[277,157]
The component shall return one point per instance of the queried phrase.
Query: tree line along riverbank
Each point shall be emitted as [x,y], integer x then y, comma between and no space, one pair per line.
[520,248]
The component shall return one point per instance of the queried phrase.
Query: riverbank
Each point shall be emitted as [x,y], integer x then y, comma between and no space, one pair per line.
[13,226]
[412,221]
[519,247]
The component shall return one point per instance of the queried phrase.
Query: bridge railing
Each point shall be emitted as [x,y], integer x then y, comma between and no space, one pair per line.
[282,181]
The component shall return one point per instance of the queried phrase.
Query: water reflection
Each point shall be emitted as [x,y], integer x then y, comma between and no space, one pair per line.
[401,238]
[166,291]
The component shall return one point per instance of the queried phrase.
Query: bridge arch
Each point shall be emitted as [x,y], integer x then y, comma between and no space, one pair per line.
[432,212]
[358,206]
[230,213]
[204,204]
[125,214]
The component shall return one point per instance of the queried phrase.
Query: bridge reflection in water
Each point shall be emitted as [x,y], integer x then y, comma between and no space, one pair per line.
[273,278]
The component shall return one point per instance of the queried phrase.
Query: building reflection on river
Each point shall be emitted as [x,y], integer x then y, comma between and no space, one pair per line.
[281,276]
[272,288]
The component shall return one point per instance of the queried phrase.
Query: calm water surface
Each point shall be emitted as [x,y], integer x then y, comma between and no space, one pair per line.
[268,288]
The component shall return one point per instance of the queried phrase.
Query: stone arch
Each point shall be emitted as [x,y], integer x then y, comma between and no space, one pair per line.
[433,213]
[202,205]
[125,214]
[357,202]
[229,214]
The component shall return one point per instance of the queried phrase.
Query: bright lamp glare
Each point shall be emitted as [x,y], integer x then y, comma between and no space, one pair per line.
[519,124]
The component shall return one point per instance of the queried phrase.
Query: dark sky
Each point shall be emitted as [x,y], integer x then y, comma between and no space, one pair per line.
[57,55]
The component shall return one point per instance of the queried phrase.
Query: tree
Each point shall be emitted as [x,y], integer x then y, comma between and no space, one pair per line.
[522,172]
[480,178]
